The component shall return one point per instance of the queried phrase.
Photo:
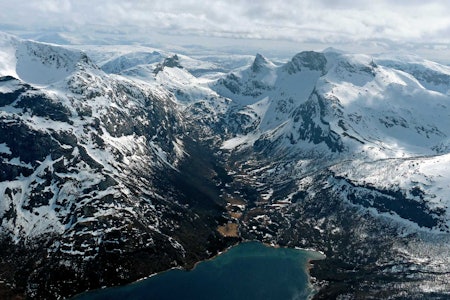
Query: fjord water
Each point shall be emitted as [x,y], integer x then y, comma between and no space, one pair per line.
[247,271]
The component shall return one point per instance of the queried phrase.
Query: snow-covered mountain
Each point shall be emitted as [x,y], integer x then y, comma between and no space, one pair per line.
[94,168]
[361,131]
[345,102]
[117,164]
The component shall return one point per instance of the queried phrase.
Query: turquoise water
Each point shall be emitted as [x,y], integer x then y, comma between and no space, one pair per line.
[246,271]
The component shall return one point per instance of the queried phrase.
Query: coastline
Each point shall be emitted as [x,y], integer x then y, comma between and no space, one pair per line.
[188,268]
[307,266]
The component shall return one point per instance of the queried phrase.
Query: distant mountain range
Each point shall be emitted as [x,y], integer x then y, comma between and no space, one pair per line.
[116,163]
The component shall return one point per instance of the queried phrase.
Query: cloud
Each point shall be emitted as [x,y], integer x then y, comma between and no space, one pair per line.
[52,6]
[314,21]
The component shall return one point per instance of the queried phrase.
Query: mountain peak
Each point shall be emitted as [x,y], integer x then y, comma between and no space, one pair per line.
[170,62]
[260,63]
[314,61]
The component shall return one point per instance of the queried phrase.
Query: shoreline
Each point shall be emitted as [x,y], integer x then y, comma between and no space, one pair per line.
[308,265]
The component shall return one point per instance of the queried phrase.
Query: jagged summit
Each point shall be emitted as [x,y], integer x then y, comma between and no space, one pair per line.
[169,62]
[260,63]
[251,80]
[172,62]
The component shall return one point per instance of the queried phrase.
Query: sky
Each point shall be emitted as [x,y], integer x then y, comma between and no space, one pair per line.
[267,26]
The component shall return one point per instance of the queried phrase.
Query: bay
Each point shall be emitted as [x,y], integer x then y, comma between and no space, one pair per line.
[249,270]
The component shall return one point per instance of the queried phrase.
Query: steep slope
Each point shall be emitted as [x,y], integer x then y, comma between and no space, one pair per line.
[96,180]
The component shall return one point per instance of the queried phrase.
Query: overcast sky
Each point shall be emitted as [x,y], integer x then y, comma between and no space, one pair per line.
[416,25]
